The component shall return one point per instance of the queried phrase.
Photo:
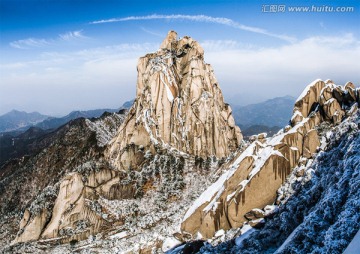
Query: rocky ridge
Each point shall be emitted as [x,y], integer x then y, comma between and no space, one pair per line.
[30,185]
[317,207]
[252,178]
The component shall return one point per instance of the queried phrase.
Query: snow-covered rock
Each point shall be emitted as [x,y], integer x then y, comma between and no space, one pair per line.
[169,243]
[317,210]
[252,178]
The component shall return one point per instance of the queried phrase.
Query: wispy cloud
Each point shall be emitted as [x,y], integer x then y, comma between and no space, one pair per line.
[41,42]
[152,32]
[74,58]
[74,35]
[224,45]
[286,69]
[201,18]
[30,43]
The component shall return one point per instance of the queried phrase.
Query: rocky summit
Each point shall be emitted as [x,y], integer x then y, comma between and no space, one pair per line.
[179,104]
[173,172]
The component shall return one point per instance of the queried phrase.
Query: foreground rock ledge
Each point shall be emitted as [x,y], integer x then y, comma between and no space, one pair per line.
[252,178]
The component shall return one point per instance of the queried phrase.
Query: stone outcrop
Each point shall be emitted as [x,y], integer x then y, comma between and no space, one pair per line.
[179,104]
[66,209]
[252,178]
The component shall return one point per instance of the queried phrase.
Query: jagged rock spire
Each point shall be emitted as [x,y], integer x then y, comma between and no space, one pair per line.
[178,104]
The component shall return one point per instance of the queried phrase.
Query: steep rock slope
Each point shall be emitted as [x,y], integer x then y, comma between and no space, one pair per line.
[252,178]
[319,204]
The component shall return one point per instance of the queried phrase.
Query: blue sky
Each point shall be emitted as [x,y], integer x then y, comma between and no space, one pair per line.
[58,56]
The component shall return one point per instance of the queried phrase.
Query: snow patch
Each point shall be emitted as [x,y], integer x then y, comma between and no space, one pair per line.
[119,235]
[296,113]
[307,89]
[329,101]
[169,94]
[246,230]
[266,153]
[219,233]
[169,243]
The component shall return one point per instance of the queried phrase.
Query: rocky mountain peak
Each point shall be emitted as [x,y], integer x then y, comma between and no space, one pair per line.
[178,116]
[169,41]
[178,105]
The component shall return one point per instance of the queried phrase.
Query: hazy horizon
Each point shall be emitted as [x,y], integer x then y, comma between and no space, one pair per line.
[60,56]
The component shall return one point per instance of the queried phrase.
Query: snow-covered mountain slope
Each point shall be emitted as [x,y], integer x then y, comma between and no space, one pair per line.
[251,179]
[31,183]
[321,215]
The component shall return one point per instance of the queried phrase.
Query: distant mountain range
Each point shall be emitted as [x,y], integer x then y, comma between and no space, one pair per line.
[267,116]
[15,119]
[31,137]
[252,119]
[55,122]
[18,122]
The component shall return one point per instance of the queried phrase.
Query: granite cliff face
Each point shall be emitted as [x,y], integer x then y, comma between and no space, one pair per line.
[252,178]
[178,104]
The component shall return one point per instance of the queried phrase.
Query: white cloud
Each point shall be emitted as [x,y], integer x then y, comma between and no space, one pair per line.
[59,82]
[287,69]
[201,18]
[67,59]
[106,76]
[224,45]
[43,43]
